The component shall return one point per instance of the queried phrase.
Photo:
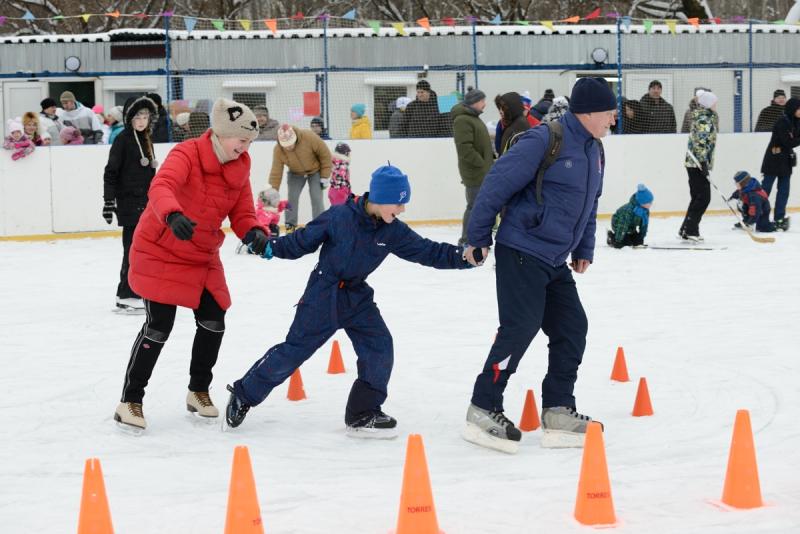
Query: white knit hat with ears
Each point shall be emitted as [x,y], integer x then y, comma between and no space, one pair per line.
[14,125]
[232,119]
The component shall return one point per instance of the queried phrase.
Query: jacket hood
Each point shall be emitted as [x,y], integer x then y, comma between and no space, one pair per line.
[134,105]
[513,105]
[463,109]
[791,107]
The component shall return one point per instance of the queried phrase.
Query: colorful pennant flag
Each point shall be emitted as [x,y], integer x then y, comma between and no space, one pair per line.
[114,14]
[648,25]
[612,15]
[323,16]
[547,24]
[593,15]
[572,20]
[189,23]
[449,21]
[58,17]
[671,23]
[218,24]
[626,22]
[350,15]
[86,17]
[140,15]
[272,25]
[470,20]
[28,16]
[166,14]
[375,25]
[298,16]
[738,19]
[716,20]
[694,21]
[521,22]
[425,23]
[2,20]
[399,27]
[245,24]
[496,20]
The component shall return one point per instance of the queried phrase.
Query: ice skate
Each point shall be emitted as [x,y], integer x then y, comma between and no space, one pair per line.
[130,418]
[199,404]
[492,430]
[130,306]
[373,425]
[690,239]
[782,224]
[563,427]
[235,411]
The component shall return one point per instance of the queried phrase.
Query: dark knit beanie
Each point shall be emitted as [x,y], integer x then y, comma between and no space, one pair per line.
[474,96]
[424,85]
[590,95]
[741,178]
[47,103]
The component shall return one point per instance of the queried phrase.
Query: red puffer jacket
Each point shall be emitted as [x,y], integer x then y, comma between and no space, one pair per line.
[192,181]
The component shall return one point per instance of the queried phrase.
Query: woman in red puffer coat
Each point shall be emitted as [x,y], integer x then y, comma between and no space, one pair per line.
[174,259]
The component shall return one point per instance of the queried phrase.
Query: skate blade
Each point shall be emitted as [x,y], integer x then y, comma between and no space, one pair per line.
[371,433]
[195,417]
[474,434]
[125,428]
[128,311]
[561,439]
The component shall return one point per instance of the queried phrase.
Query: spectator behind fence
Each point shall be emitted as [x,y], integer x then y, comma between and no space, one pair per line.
[33,129]
[527,105]
[474,148]
[160,130]
[780,158]
[398,116]
[16,140]
[543,105]
[514,120]
[657,114]
[318,127]
[361,128]
[267,128]
[557,110]
[69,135]
[632,116]
[198,124]
[75,114]
[770,114]
[49,120]
[309,161]
[114,119]
[693,105]
[422,117]
[180,127]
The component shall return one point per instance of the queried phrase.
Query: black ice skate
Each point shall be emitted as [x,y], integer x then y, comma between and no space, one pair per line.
[130,306]
[373,425]
[782,224]
[236,410]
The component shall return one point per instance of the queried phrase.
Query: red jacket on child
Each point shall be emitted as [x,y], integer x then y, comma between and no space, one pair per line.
[192,180]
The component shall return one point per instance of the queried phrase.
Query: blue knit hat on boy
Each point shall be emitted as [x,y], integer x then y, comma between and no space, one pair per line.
[389,186]
[741,177]
[643,195]
[358,109]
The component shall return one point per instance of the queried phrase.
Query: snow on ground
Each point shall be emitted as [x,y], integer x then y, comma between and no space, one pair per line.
[713,331]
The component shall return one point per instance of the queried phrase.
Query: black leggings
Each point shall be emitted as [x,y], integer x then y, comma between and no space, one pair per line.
[700,191]
[210,319]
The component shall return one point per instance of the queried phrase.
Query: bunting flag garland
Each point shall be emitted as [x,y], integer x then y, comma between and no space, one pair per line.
[375,25]
[694,21]
[648,25]
[547,24]
[612,15]
[593,15]
[58,17]
[272,25]
[521,22]
[28,16]
[189,23]
[399,27]
[167,14]
[245,24]
[350,15]
[671,23]
[425,23]
[449,21]
[298,16]
[572,20]
[218,24]
[496,20]
[626,22]
[470,20]
[114,14]
[2,20]
[86,17]
[716,20]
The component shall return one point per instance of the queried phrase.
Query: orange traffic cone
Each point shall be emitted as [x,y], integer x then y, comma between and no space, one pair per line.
[742,489]
[296,391]
[244,514]
[95,517]
[594,505]
[417,512]
[530,415]
[641,405]
[620,370]
[335,365]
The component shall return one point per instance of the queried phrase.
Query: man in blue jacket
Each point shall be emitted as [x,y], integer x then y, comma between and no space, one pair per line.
[535,287]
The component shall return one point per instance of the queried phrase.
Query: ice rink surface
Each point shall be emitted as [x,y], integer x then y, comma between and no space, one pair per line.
[712,331]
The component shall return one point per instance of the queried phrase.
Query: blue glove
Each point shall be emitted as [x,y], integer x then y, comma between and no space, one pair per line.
[267,254]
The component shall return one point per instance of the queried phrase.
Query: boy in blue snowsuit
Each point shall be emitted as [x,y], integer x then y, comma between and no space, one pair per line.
[755,206]
[356,237]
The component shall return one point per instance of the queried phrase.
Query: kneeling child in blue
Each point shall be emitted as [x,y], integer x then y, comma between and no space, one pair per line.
[629,223]
[355,237]
[754,202]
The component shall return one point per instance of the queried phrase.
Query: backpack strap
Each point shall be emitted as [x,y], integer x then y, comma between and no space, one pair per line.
[555,140]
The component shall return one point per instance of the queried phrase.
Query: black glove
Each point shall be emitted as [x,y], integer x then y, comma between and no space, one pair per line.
[704,169]
[181,226]
[257,240]
[109,207]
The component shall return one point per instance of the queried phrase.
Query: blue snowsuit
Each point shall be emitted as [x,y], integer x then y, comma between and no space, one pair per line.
[755,206]
[535,288]
[337,296]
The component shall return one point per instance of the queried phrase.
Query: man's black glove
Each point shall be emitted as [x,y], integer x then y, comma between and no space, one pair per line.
[704,169]
[257,240]
[181,226]
[109,207]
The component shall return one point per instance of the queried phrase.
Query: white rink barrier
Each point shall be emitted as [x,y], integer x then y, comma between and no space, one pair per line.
[59,189]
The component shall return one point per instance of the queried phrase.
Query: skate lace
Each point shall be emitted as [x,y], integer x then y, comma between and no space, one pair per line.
[135,409]
[501,419]
[203,398]
[577,415]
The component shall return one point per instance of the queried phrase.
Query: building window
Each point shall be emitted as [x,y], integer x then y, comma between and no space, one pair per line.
[251,99]
[384,97]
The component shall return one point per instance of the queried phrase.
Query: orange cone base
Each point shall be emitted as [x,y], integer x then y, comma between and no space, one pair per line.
[742,488]
[642,406]
[335,364]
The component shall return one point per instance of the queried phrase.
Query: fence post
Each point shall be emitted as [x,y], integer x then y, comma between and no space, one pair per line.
[475,53]
[168,56]
[620,111]
[750,66]
[325,74]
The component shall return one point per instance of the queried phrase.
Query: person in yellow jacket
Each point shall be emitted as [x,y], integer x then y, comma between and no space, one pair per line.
[361,128]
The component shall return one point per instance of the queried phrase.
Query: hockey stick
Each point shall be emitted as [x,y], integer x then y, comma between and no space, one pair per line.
[753,236]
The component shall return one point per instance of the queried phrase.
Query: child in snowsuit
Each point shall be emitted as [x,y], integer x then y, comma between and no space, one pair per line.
[340,175]
[17,141]
[70,135]
[269,207]
[753,202]
[355,237]
[629,222]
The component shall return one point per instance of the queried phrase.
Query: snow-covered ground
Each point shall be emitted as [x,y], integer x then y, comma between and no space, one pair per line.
[713,332]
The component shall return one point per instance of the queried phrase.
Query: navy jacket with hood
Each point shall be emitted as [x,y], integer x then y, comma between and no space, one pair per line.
[565,222]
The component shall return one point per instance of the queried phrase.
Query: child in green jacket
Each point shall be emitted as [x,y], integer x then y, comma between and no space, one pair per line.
[629,222]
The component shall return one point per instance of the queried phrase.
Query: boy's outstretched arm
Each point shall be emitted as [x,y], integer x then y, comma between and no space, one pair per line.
[412,247]
[303,240]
